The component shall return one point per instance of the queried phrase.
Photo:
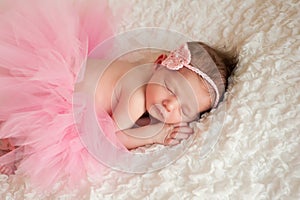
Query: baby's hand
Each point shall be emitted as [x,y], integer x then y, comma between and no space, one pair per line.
[172,134]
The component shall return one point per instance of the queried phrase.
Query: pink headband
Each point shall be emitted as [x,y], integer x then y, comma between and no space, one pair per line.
[182,58]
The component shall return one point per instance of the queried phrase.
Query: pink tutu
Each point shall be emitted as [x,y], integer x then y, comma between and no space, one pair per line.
[43,45]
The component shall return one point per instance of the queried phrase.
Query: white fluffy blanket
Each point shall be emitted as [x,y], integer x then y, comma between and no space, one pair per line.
[257,155]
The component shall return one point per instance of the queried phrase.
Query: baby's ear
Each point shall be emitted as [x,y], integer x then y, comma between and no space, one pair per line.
[158,61]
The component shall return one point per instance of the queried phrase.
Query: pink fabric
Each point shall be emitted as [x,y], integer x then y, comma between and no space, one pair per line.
[43,45]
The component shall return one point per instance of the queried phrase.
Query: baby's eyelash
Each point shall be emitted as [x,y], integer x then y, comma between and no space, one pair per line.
[168,88]
[170,91]
[184,110]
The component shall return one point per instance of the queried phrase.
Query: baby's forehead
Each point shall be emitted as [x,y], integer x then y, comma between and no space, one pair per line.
[182,75]
[162,74]
[179,81]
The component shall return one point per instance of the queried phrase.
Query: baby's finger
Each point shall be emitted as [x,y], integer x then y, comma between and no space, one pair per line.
[184,129]
[171,141]
[181,124]
[180,136]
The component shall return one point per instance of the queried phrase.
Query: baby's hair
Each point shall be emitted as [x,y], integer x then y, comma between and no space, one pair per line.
[226,61]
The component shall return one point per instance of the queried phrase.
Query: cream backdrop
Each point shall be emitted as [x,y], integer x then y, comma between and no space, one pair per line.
[257,154]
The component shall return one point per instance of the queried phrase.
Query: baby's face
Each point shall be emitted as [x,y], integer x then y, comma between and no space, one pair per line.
[176,96]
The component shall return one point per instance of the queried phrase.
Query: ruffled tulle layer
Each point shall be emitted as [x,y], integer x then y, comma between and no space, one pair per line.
[43,45]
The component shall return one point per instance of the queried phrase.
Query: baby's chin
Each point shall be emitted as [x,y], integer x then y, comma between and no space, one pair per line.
[155,118]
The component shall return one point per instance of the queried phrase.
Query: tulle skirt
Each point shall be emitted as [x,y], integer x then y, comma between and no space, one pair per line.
[43,46]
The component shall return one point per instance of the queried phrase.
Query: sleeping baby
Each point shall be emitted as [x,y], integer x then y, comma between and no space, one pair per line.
[157,106]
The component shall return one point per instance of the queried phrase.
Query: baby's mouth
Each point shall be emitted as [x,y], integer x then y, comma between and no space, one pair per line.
[158,112]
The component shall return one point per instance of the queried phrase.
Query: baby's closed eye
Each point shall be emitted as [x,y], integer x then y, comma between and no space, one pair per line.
[170,89]
[189,112]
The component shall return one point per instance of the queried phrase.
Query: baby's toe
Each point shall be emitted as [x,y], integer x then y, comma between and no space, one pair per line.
[6,170]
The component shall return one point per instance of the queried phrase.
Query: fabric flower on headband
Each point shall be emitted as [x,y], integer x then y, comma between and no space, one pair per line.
[178,58]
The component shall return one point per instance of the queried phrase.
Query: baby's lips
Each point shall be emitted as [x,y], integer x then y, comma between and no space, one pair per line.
[158,112]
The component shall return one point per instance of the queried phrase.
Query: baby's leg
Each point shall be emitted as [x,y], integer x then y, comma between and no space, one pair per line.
[7,169]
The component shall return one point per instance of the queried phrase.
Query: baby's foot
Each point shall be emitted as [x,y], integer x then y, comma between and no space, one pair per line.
[7,169]
[6,147]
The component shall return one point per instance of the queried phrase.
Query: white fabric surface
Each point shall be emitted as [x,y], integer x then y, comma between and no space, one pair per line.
[257,155]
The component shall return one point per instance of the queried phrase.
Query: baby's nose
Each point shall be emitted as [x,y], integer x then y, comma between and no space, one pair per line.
[170,103]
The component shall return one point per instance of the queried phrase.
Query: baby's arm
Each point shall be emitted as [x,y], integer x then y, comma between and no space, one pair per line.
[135,137]
[159,133]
